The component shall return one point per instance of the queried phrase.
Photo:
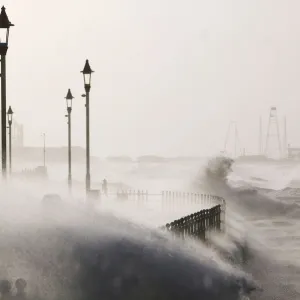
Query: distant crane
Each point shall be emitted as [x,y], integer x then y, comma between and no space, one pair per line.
[285,146]
[273,121]
[233,125]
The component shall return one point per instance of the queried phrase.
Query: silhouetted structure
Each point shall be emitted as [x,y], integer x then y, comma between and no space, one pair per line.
[69,99]
[104,186]
[197,225]
[54,154]
[9,116]
[39,172]
[87,75]
[151,158]
[20,285]
[125,159]
[5,25]
[237,143]
[273,121]
[285,146]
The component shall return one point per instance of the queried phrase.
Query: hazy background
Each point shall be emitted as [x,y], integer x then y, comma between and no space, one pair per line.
[169,75]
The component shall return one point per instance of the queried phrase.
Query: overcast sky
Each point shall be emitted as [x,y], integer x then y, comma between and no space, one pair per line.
[169,75]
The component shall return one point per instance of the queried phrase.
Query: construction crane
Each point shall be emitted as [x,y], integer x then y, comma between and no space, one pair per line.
[237,143]
[273,122]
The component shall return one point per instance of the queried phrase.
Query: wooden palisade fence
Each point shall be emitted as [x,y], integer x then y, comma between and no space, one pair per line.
[198,225]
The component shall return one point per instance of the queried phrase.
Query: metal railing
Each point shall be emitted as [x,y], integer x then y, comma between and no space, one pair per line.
[196,225]
[132,194]
[169,198]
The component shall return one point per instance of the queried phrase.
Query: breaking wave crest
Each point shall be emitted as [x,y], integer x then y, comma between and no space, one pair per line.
[248,210]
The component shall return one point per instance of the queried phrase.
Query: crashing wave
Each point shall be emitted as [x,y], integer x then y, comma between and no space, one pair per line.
[78,255]
[243,245]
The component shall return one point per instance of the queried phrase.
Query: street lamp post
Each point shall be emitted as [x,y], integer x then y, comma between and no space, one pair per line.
[9,117]
[4,31]
[69,98]
[87,75]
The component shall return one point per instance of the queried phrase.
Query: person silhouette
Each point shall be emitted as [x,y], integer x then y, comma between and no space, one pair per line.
[5,290]
[20,285]
[104,187]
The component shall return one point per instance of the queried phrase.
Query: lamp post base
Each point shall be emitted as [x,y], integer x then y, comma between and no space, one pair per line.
[70,184]
[88,183]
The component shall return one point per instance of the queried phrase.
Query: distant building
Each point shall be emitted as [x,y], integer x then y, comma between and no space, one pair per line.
[119,159]
[53,154]
[151,158]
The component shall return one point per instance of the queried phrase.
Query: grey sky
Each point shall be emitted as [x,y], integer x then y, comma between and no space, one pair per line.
[169,75]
